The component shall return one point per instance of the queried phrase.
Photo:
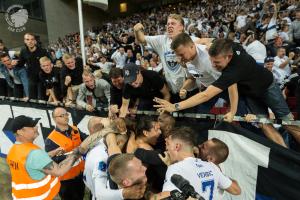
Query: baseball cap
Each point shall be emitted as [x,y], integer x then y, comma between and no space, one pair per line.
[269,59]
[23,121]
[130,72]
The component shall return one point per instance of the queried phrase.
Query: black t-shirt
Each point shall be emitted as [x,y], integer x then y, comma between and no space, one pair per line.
[51,80]
[31,59]
[75,74]
[251,79]
[150,88]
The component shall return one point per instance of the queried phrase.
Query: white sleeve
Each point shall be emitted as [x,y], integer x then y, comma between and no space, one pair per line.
[277,62]
[101,191]
[155,42]
[223,181]
[168,185]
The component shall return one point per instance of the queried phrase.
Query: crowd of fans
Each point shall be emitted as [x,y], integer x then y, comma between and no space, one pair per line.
[159,55]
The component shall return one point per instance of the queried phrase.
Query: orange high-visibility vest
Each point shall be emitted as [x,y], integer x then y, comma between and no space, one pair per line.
[23,186]
[68,144]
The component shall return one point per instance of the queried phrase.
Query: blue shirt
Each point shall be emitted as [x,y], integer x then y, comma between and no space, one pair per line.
[35,163]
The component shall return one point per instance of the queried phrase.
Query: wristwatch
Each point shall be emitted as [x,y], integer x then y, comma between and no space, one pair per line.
[176,106]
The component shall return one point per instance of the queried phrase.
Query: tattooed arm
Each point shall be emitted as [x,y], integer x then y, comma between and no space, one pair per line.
[93,139]
[60,169]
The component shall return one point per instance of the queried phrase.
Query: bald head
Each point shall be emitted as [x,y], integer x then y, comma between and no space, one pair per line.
[95,125]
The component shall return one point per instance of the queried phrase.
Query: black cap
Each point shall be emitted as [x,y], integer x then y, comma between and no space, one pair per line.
[269,59]
[130,72]
[23,121]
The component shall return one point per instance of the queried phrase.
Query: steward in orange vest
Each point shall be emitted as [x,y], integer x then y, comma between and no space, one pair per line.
[23,185]
[68,144]
[68,138]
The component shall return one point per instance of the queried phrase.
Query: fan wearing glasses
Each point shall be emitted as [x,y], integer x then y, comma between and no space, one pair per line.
[63,139]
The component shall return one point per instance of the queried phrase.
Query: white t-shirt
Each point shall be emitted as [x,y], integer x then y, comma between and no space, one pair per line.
[284,36]
[205,177]
[95,174]
[201,68]
[106,67]
[241,21]
[257,50]
[286,68]
[272,31]
[175,75]
[119,58]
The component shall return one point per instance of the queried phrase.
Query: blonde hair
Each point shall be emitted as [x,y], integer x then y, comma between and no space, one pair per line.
[87,72]
[66,56]
[44,59]
[177,17]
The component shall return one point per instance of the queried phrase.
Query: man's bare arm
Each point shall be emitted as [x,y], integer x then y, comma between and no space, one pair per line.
[139,33]
[63,167]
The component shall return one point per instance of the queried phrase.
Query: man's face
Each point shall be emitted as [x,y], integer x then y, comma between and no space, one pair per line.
[172,148]
[30,133]
[29,41]
[281,53]
[186,52]
[89,81]
[269,66]
[164,123]
[174,27]
[61,116]
[219,62]
[138,82]
[122,50]
[7,62]
[103,59]
[70,63]
[118,82]
[47,67]
[204,149]
[298,15]
[129,53]
[154,133]
[136,172]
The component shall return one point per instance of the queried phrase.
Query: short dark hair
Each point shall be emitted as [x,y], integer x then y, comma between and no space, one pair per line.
[220,46]
[185,134]
[115,73]
[3,55]
[145,123]
[31,34]
[220,150]
[181,39]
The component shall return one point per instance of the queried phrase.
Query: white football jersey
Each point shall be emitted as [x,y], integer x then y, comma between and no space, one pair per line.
[205,177]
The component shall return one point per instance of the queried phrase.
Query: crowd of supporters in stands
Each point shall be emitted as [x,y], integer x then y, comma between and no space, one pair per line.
[125,71]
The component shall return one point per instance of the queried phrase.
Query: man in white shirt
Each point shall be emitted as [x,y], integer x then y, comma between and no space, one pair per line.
[270,25]
[204,176]
[241,20]
[174,74]
[119,57]
[104,65]
[281,61]
[96,167]
[278,73]
[255,48]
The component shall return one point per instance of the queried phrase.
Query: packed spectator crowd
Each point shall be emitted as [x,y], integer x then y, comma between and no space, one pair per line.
[185,56]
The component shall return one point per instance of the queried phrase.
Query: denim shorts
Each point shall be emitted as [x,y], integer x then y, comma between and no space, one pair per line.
[273,98]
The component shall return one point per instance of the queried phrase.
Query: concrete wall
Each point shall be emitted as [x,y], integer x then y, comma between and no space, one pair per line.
[15,39]
[62,17]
